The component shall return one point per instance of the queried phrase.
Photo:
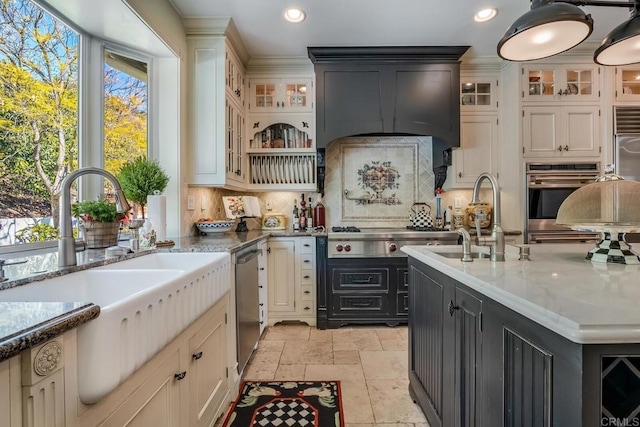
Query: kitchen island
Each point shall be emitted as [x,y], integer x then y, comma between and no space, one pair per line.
[551,341]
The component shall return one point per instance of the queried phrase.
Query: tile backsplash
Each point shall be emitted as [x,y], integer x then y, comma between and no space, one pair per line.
[342,157]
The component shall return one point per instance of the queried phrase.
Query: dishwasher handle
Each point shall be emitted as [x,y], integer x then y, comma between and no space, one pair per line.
[248,256]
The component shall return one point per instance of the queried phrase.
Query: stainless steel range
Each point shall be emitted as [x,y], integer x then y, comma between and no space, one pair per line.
[364,277]
[351,242]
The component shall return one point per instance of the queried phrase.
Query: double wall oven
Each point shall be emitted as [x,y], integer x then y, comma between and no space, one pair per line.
[547,186]
[365,278]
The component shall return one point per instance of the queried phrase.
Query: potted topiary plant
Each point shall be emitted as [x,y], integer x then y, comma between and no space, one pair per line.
[101,222]
[140,178]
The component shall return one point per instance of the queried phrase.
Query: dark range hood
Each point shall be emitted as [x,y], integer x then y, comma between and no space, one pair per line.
[405,90]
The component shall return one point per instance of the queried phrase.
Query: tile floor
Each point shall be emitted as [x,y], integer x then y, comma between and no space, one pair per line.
[370,362]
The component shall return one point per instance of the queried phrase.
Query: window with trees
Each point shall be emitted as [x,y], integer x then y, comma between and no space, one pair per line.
[39,110]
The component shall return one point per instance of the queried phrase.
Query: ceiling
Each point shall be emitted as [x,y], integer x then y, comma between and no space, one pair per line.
[376,23]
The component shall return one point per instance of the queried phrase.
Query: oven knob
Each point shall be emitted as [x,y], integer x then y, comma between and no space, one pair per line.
[347,248]
[393,247]
[339,248]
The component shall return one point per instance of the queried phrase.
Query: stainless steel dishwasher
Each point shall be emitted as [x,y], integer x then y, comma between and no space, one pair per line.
[247,309]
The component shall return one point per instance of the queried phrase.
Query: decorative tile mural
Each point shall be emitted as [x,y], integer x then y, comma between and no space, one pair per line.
[379,180]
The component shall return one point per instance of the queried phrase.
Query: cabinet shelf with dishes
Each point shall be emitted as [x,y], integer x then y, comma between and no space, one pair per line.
[281,152]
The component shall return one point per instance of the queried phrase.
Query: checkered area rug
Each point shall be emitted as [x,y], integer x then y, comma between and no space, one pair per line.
[287,404]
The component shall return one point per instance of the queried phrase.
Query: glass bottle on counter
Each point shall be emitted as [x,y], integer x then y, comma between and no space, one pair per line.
[310,216]
[303,213]
[295,218]
[318,213]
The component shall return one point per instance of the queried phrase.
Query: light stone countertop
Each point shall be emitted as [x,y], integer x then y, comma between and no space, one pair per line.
[585,302]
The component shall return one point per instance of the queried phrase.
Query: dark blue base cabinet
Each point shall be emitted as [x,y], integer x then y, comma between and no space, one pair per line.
[474,362]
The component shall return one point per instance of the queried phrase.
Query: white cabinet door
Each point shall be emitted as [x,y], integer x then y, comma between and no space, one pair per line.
[567,131]
[282,278]
[10,393]
[156,402]
[478,149]
[234,118]
[234,77]
[541,131]
[581,131]
[208,350]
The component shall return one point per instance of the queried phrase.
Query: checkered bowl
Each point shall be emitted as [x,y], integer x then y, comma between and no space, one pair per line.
[210,227]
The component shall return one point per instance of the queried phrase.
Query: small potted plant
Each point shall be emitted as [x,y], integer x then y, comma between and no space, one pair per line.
[140,178]
[101,222]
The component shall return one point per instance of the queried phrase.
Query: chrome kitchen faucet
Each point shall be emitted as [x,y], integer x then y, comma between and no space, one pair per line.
[66,244]
[496,241]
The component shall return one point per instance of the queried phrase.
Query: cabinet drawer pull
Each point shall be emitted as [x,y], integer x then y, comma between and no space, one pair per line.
[197,356]
[453,308]
[459,174]
[261,304]
[306,245]
[262,322]
[566,148]
[307,308]
[307,277]
[180,376]
[262,268]
[307,261]
[366,303]
[306,292]
[560,148]
[358,282]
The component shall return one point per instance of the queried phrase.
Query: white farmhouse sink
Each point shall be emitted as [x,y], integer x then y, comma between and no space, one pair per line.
[144,302]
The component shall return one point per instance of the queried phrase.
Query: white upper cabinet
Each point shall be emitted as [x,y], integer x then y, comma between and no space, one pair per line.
[287,95]
[627,84]
[561,132]
[560,83]
[478,93]
[216,117]
[478,150]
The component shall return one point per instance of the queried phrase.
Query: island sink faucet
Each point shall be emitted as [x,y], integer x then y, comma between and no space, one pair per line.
[496,241]
[66,244]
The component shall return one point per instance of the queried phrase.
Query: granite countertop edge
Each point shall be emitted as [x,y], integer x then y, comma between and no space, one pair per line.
[37,334]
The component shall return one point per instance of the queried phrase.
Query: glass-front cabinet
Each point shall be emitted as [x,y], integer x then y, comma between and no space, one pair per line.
[478,92]
[628,83]
[281,95]
[558,83]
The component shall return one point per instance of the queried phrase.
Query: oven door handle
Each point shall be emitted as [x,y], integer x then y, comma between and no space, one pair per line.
[557,185]
[583,237]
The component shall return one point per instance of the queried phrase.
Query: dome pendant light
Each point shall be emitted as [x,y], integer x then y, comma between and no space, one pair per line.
[622,45]
[548,29]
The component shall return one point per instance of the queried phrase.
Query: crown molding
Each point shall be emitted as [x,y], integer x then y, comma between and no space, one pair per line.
[221,26]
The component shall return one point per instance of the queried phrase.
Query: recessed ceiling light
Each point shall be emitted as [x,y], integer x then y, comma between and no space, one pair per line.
[294,15]
[485,15]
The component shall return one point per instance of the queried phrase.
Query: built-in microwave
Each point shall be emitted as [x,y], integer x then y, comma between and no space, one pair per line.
[547,186]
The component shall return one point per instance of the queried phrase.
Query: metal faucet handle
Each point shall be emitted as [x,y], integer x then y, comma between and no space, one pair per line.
[524,252]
